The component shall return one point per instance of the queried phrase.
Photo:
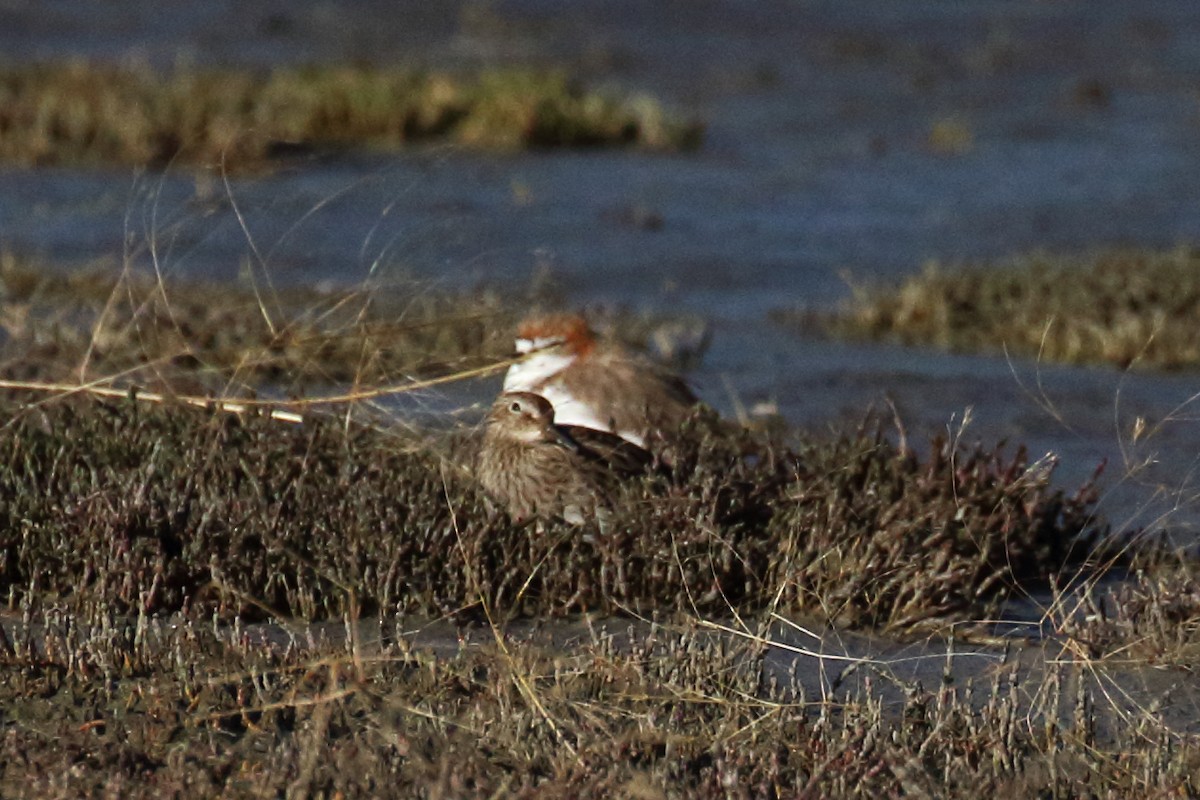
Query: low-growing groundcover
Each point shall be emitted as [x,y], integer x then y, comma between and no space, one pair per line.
[157,509]
[137,540]
[1121,307]
[176,710]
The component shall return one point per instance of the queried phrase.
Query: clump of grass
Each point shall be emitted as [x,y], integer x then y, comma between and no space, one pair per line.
[80,112]
[1152,617]
[1124,307]
[127,505]
[54,321]
[874,537]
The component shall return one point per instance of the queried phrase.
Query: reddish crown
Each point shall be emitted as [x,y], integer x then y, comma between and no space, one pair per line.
[572,329]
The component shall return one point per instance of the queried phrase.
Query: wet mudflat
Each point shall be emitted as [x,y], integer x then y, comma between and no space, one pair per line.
[645,710]
[219,634]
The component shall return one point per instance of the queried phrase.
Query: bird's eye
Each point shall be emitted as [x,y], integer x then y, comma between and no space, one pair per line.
[515,407]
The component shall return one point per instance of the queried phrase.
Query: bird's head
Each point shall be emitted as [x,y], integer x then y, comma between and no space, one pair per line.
[526,417]
[559,334]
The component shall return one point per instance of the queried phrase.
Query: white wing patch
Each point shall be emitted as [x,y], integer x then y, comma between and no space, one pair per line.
[569,410]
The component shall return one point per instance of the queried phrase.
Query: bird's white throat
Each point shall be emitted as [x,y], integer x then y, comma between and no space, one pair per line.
[525,375]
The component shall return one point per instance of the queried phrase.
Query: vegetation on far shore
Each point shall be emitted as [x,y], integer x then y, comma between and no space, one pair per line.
[1128,308]
[89,112]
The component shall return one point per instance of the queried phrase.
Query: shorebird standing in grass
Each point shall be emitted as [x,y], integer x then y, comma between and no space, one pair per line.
[536,468]
[598,385]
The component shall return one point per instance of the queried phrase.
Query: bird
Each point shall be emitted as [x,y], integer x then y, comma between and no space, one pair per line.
[598,385]
[538,469]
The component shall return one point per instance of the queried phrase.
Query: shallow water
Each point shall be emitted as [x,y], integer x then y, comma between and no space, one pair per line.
[1082,120]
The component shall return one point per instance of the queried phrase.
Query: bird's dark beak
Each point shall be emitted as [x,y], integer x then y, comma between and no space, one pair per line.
[564,438]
